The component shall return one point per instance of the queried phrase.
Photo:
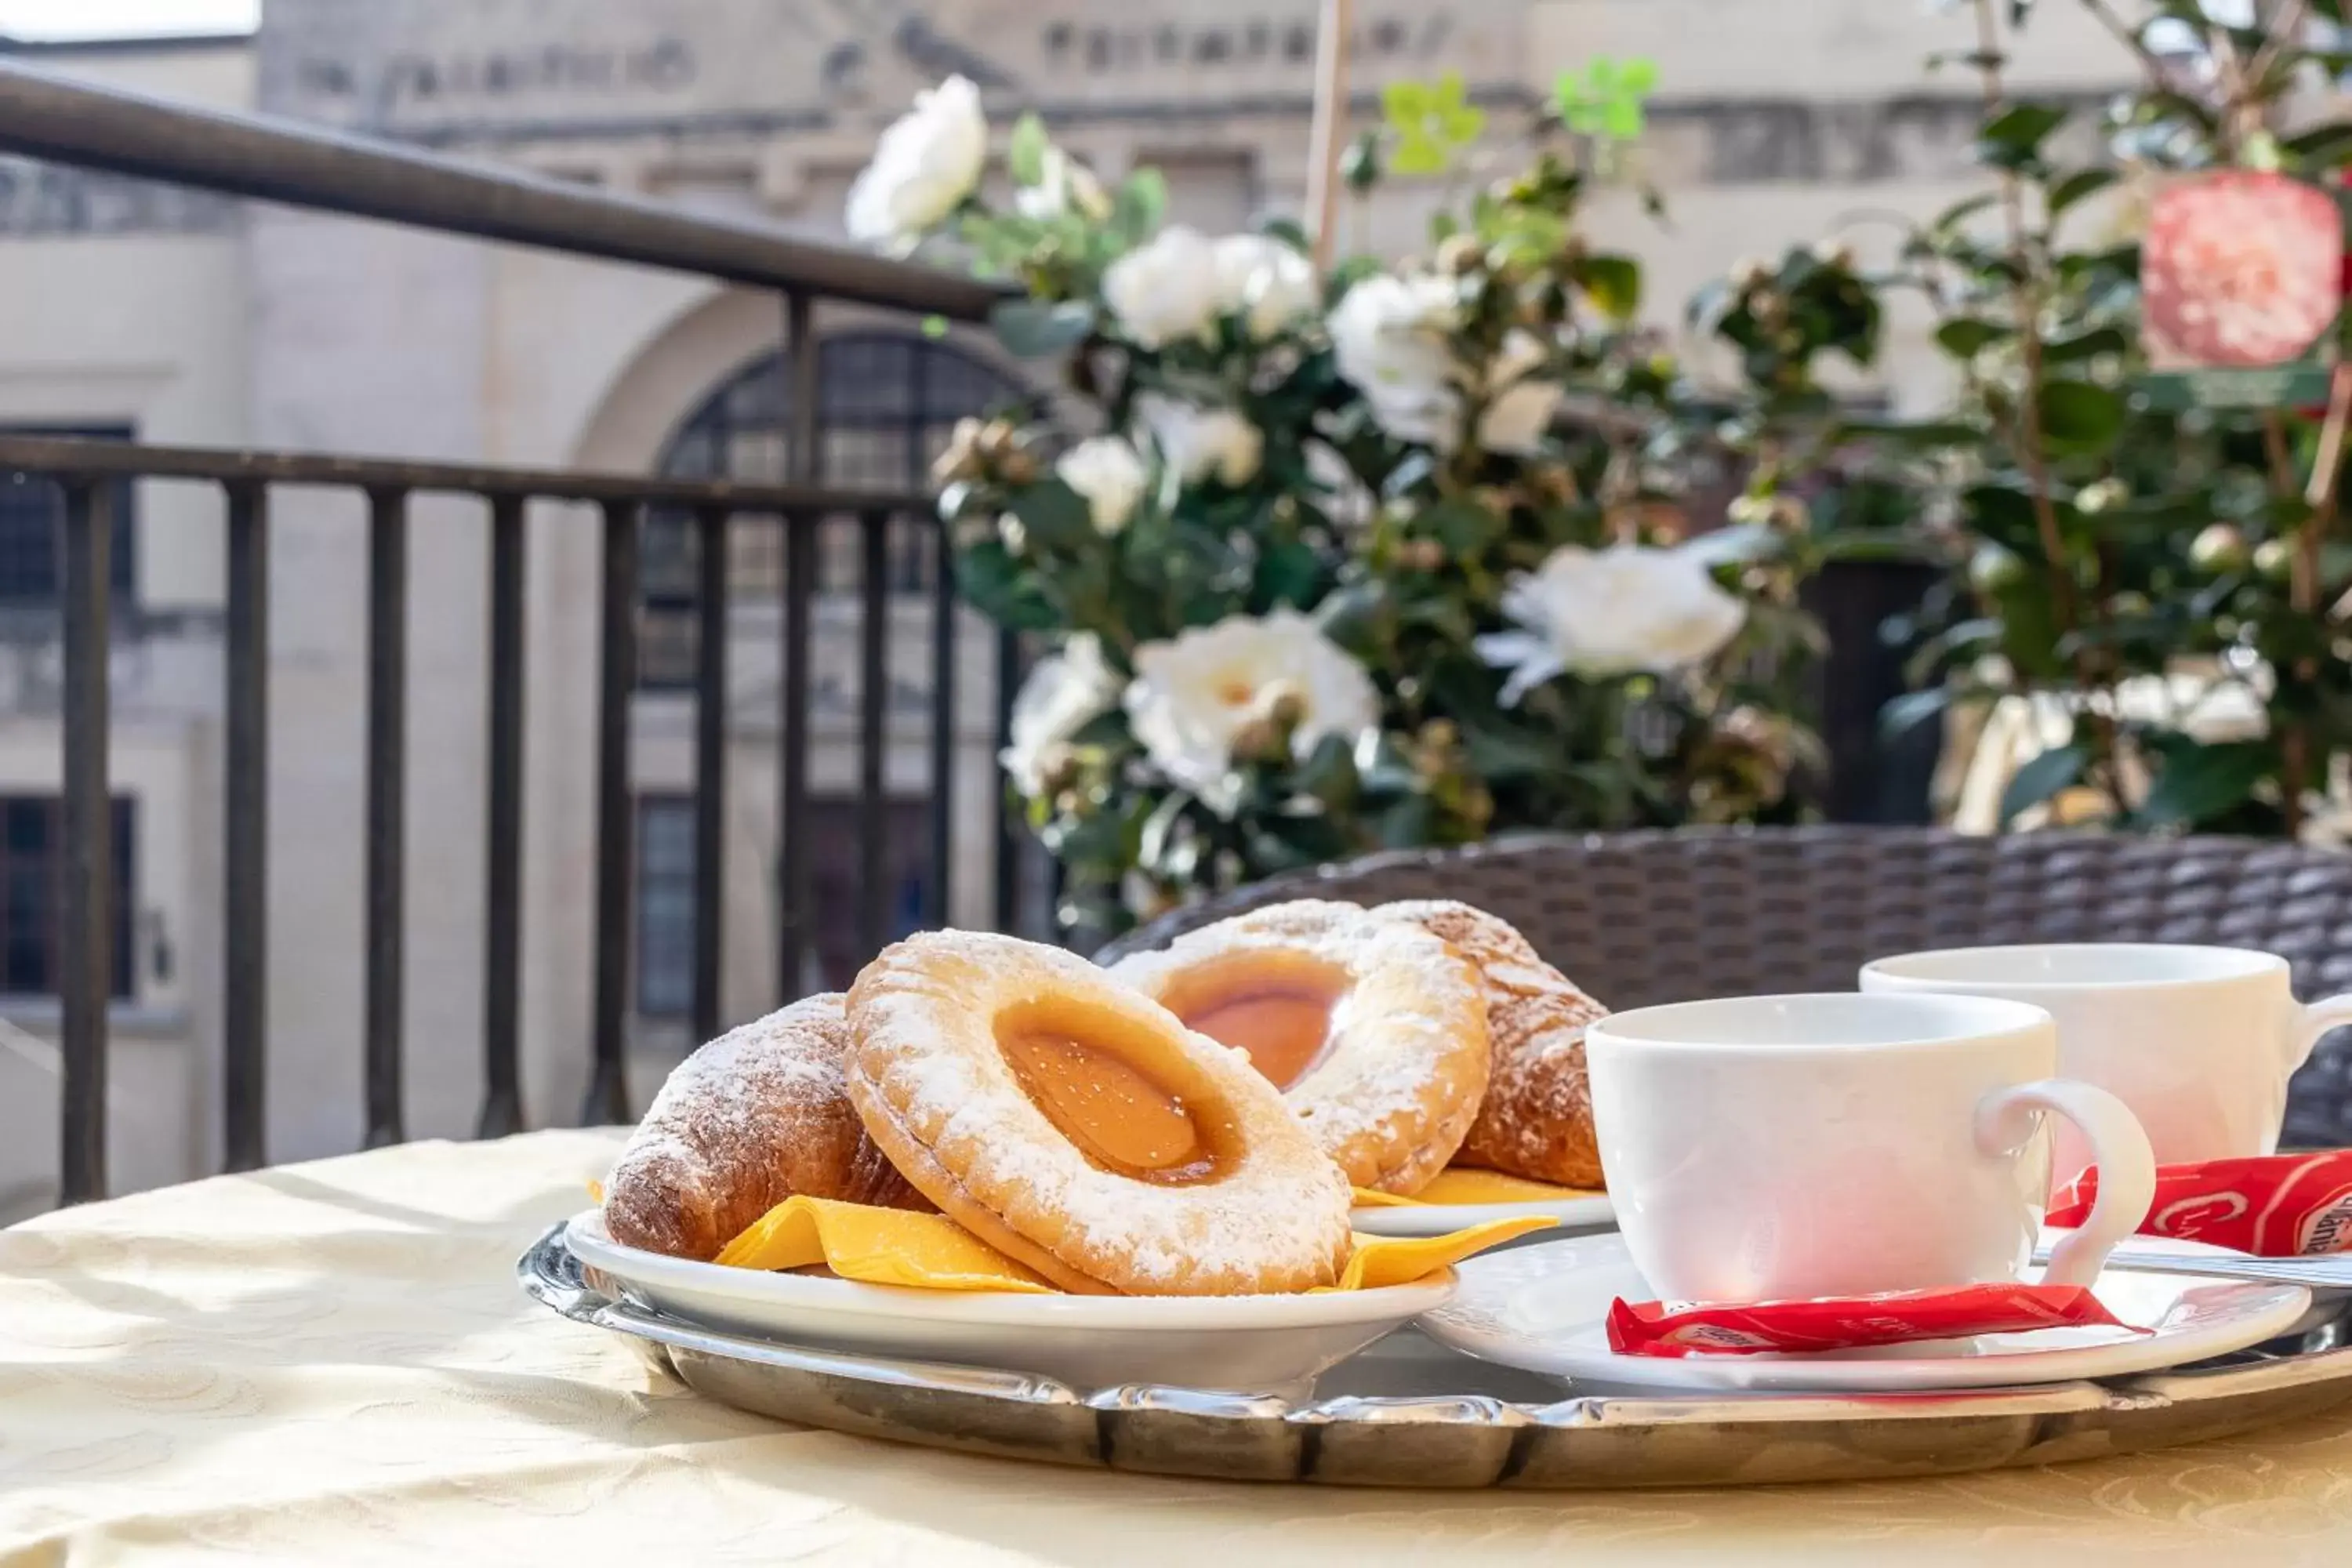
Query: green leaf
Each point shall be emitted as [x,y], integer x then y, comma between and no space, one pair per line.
[2077,186]
[2196,784]
[2013,138]
[2079,417]
[1431,122]
[1959,212]
[1054,514]
[1918,434]
[2085,345]
[1499,756]
[1004,589]
[1614,283]
[1965,337]
[1408,824]
[1141,203]
[1417,154]
[1408,104]
[1462,525]
[2003,514]
[1159,831]
[2322,143]
[2041,778]
[1328,773]
[1606,99]
[1360,618]
[1287,573]
[1384,769]
[2150,107]
[1024,151]
[1290,231]
[1034,329]
[1911,710]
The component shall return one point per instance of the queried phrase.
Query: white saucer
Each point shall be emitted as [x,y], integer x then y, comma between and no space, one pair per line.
[1543,1308]
[1584,1213]
[1253,1345]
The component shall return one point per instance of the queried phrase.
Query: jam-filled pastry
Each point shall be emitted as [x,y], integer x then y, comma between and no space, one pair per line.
[1374,1030]
[755,1116]
[1537,1121]
[1081,1130]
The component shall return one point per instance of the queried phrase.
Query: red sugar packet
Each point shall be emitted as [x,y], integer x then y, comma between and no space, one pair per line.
[2275,1206]
[1898,1317]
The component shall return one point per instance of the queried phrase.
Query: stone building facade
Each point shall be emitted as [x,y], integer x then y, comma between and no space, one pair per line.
[181,319]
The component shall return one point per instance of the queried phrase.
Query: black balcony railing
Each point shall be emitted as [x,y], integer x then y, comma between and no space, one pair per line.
[94,129]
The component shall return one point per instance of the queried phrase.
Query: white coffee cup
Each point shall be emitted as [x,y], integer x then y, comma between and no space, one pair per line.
[2199,1041]
[1772,1147]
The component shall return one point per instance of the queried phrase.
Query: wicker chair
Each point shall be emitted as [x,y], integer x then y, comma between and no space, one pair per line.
[1647,917]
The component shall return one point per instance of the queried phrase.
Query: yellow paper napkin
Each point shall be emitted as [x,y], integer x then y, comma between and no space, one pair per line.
[928,1251]
[877,1246]
[1455,1185]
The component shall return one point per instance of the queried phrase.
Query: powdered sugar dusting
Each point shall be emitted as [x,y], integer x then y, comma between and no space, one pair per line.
[924,1016]
[1537,1121]
[754,1116]
[1394,1096]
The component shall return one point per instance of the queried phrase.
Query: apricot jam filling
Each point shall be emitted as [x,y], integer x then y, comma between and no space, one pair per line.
[1118,1115]
[1277,1010]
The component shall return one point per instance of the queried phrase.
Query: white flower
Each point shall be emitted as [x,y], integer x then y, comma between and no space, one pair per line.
[1199,442]
[1165,289]
[1064,693]
[1193,698]
[1108,473]
[1067,186]
[1611,611]
[1389,336]
[1265,282]
[1013,531]
[1344,498]
[924,167]
[1520,409]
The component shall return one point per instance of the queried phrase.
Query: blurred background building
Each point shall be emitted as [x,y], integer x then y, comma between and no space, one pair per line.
[127,309]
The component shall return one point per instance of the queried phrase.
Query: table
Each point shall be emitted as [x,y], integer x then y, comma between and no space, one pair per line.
[330,1363]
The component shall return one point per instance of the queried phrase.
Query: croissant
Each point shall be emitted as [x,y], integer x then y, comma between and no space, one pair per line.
[752,1118]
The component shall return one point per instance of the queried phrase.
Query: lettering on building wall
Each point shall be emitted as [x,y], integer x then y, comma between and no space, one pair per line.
[1402,39]
[706,60]
[410,79]
[38,199]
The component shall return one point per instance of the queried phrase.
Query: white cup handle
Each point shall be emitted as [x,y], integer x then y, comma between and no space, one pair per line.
[2311,1021]
[2119,1144]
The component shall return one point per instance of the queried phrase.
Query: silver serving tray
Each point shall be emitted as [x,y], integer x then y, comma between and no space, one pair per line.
[1409,1413]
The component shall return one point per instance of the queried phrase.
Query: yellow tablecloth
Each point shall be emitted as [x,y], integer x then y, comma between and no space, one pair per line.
[331,1364]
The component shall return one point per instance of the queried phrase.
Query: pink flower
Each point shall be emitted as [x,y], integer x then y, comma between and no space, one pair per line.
[2241,269]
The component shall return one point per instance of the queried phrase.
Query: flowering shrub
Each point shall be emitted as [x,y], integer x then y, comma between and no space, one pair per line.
[2167,569]
[1386,557]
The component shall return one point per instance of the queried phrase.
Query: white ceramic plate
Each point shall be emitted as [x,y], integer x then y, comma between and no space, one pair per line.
[1543,1308]
[1252,1345]
[1588,1213]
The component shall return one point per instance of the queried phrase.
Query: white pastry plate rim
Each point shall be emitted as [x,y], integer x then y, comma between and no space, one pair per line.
[593,1246]
[1593,1209]
[2259,1311]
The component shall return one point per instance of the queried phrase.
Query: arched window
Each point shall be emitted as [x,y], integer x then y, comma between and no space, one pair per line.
[890,403]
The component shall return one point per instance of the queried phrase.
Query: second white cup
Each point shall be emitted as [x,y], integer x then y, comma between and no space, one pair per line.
[1773,1148]
[2199,1041]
